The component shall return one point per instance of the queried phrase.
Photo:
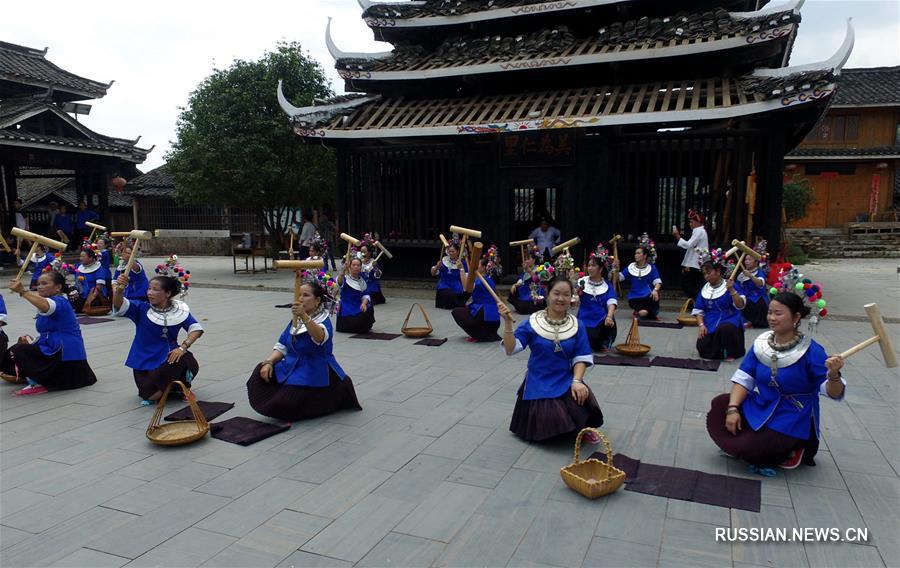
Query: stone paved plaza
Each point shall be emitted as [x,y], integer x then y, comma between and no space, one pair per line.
[428,473]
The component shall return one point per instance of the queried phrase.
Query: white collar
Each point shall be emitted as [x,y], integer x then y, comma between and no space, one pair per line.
[711,293]
[301,327]
[764,352]
[36,258]
[539,324]
[368,266]
[591,288]
[639,272]
[175,316]
[356,283]
[89,268]
[448,263]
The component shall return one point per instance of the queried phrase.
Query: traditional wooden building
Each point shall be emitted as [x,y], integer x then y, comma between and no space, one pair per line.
[609,116]
[39,131]
[852,157]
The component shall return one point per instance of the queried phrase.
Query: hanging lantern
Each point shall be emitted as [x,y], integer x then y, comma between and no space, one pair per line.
[118,183]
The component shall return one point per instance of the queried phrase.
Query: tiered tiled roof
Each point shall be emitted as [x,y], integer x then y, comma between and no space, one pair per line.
[875,86]
[24,65]
[158,182]
[33,188]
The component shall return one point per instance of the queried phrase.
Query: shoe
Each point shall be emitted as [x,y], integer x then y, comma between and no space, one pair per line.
[729,359]
[748,325]
[31,389]
[471,340]
[591,438]
[146,402]
[763,471]
[604,350]
[793,461]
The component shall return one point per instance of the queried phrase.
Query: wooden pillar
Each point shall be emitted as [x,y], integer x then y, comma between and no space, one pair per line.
[10,194]
[771,176]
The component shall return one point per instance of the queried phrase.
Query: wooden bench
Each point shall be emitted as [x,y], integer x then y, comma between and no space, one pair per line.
[257,249]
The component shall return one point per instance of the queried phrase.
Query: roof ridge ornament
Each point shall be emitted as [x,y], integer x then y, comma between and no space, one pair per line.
[309,114]
[793,5]
[834,63]
[336,53]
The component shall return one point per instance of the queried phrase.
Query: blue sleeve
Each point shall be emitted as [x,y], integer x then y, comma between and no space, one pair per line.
[748,365]
[654,273]
[583,345]
[285,337]
[524,333]
[816,370]
[188,322]
[135,310]
[2,305]
[700,303]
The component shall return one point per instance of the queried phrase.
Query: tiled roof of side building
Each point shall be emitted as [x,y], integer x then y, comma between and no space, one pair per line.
[825,153]
[158,182]
[31,66]
[871,86]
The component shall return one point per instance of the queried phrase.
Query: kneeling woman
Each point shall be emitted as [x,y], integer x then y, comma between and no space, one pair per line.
[480,319]
[155,357]
[301,379]
[371,271]
[449,271]
[598,303]
[57,359]
[751,282]
[92,284]
[137,279]
[643,277]
[527,294]
[771,417]
[718,310]
[553,399]
[356,314]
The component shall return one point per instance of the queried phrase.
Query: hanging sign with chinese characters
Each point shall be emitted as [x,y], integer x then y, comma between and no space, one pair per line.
[538,148]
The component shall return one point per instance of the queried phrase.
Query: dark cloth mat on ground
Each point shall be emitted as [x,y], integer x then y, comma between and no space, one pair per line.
[431,342]
[245,431]
[376,335]
[665,324]
[283,305]
[210,410]
[621,361]
[688,484]
[89,320]
[692,364]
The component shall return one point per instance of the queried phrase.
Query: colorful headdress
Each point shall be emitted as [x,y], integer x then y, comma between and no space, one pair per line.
[717,258]
[328,283]
[764,260]
[696,216]
[601,253]
[57,265]
[494,267]
[173,269]
[793,281]
[455,241]
[320,243]
[647,243]
[565,267]
[535,252]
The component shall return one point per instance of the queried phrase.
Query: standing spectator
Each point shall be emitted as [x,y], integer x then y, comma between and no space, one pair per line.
[326,231]
[307,234]
[52,212]
[84,215]
[22,223]
[545,237]
[63,227]
[692,277]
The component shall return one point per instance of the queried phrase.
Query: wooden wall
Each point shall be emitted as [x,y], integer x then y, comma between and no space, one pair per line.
[840,198]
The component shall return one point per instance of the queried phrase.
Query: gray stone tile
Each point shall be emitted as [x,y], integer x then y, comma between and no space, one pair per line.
[41,516]
[23,454]
[29,472]
[484,541]
[767,553]
[323,464]
[10,536]
[17,499]
[560,534]
[271,543]
[825,474]
[458,442]
[698,513]
[254,508]
[192,475]
[402,550]
[85,557]
[821,507]
[394,451]
[443,512]
[192,547]
[249,475]
[64,539]
[88,472]
[341,492]
[313,437]
[418,478]
[147,497]
[861,456]
[605,552]
[368,521]
[844,555]
[633,517]
[519,495]
[694,544]
[307,560]
[139,535]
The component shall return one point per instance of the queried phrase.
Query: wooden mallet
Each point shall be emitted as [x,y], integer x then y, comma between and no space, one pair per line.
[351,241]
[882,338]
[745,250]
[466,233]
[4,244]
[490,290]
[614,241]
[473,266]
[384,251]
[35,241]
[94,228]
[565,246]
[138,236]
[521,244]
[444,246]
[298,265]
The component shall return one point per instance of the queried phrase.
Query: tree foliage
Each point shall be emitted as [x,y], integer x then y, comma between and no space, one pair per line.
[798,196]
[235,145]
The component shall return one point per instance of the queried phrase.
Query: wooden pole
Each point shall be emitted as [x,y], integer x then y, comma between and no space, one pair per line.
[882,337]
[473,266]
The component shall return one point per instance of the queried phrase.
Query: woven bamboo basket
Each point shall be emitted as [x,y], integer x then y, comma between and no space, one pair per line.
[179,432]
[684,316]
[592,477]
[633,346]
[12,379]
[416,332]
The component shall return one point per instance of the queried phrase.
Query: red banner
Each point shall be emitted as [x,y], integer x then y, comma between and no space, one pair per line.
[873,196]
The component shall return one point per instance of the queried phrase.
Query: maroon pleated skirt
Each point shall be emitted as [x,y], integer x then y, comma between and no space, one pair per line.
[476,327]
[360,323]
[292,402]
[150,382]
[526,307]
[546,418]
[50,370]
[726,341]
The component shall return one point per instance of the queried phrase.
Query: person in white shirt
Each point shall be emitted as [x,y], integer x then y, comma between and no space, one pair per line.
[545,237]
[692,277]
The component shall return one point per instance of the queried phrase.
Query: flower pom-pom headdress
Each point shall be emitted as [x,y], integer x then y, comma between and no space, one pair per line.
[565,267]
[328,283]
[696,216]
[763,262]
[650,246]
[601,253]
[57,265]
[717,258]
[320,243]
[494,268]
[173,269]
[534,251]
[809,291]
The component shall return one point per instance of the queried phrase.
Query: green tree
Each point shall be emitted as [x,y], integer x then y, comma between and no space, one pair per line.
[235,145]
[798,196]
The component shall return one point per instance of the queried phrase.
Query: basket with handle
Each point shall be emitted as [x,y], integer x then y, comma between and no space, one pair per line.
[684,316]
[179,432]
[14,379]
[416,332]
[633,346]
[592,477]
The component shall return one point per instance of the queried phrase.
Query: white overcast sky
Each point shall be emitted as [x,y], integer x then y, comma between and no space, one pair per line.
[158,51]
